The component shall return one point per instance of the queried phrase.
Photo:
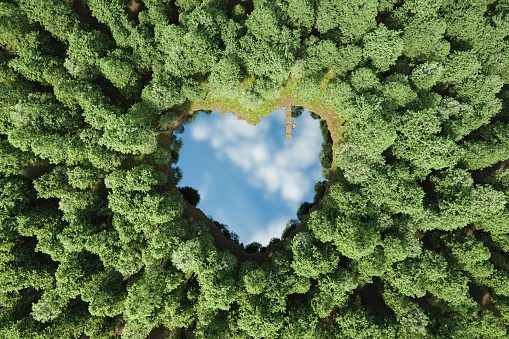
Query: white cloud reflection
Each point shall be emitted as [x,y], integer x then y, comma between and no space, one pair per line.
[281,170]
[273,229]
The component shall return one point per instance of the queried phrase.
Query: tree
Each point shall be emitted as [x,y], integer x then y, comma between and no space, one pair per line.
[321,55]
[84,52]
[270,59]
[454,201]
[356,322]
[41,111]
[346,21]
[140,203]
[59,149]
[256,320]
[337,222]
[53,184]
[426,75]
[301,14]
[82,177]
[264,24]
[14,25]
[225,78]
[468,254]
[115,15]
[459,66]
[409,314]
[36,62]
[423,28]
[253,247]
[55,16]
[397,91]
[44,222]
[368,129]
[163,92]
[420,143]
[120,252]
[190,194]
[407,278]
[310,260]
[455,15]
[383,47]
[49,306]
[333,290]
[364,79]
[338,94]
[483,151]
[157,12]
[123,134]
[185,53]
[350,56]
[307,90]
[481,92]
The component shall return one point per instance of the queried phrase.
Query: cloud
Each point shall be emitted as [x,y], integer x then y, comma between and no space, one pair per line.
[200,131]
[274,229]
[205,185]
[278,166]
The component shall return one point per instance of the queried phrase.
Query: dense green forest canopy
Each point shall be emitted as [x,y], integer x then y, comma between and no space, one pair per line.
[409,238]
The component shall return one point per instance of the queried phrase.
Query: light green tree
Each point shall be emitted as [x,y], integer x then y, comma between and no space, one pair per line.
[382,46]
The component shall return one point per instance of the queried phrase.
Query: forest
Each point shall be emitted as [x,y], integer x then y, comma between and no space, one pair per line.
[407,238]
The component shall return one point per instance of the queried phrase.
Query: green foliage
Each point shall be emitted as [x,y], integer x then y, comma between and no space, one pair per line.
[368,129]
[301,322]
[93,233]
[382,47]
[459,66]
[349,57]
[469,254]
[36,62]
[273,60]
[338,94]
[333,289]
[190,194]
[410,315]
[254,278]
[306,90]
[56,17]
[163,91]
[321,56]
[364,79]
[135,197]
[348,220]
[453,190]
[82,177]
[124,134]
[347,21]
[464,19]
[309,260]
[407,278]
[420,142]
[263,23]
[118,69]
[225,78]
[116,15]
[397,91]
[157,12]
[185,53]
[301,14]
[423,30]
[84,52]
[49,306]
[425,76]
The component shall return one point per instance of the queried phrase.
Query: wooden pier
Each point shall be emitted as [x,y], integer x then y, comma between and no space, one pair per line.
[288,121]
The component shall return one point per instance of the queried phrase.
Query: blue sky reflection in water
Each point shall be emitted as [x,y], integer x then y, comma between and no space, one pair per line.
[251,178]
